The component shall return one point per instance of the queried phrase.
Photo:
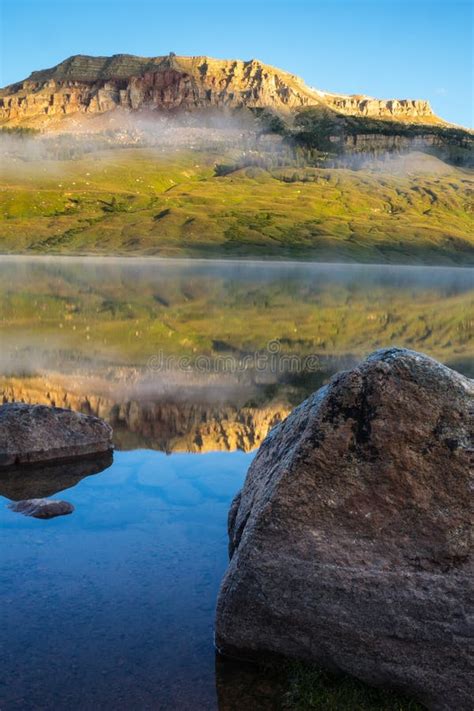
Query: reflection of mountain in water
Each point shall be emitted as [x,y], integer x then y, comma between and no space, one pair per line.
[75,314]
[141,420]
[180,412]
[31,482]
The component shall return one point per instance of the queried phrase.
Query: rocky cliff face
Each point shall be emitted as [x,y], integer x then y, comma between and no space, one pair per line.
[454,149]
[413,110]
[94,85]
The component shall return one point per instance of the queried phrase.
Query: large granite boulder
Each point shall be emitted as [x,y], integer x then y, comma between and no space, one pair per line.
[350,540]
[35,433]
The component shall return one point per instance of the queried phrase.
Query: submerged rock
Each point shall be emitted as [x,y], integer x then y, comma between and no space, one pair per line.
[36,433]
[42,508]
[350,540]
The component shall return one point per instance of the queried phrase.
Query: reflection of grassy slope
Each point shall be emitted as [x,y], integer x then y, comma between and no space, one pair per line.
[136,202]
[107,314]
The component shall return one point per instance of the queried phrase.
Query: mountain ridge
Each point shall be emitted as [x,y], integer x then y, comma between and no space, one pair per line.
[88,85]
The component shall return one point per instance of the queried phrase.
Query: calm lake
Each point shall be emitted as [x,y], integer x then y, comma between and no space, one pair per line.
[192,362]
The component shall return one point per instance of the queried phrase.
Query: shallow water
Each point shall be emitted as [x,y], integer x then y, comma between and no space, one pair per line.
[112,607]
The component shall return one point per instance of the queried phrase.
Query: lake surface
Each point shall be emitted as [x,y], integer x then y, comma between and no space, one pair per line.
[112,606]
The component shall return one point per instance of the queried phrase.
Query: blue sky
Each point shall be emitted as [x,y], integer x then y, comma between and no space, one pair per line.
[384,48]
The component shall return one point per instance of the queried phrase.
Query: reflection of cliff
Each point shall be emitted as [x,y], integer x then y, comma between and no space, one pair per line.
[157,423]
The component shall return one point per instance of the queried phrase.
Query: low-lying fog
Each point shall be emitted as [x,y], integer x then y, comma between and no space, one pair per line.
[209,131]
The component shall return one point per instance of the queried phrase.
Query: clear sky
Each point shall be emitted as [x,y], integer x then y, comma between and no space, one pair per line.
[384,48]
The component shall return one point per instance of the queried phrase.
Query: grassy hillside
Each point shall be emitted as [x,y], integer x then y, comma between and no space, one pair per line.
[205,203]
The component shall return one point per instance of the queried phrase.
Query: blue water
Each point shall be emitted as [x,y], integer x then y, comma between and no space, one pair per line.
[112,607]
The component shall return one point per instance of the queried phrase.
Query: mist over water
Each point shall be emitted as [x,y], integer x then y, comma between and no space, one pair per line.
[154,270]
[73,290]
[114,318]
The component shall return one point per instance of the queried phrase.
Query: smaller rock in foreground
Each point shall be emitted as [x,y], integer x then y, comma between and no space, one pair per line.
[36,433]
[42,508]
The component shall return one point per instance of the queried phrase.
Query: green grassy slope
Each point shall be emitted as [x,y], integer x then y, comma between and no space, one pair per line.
[136,201]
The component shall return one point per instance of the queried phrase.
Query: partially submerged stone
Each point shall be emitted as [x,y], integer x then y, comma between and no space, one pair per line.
[42,508]
[36,433]
[350,541]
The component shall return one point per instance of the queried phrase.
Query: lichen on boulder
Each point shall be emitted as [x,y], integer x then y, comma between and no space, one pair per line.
[350,541]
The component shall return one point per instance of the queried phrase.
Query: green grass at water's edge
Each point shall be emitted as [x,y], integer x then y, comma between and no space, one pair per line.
[278,684]
[312,688]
